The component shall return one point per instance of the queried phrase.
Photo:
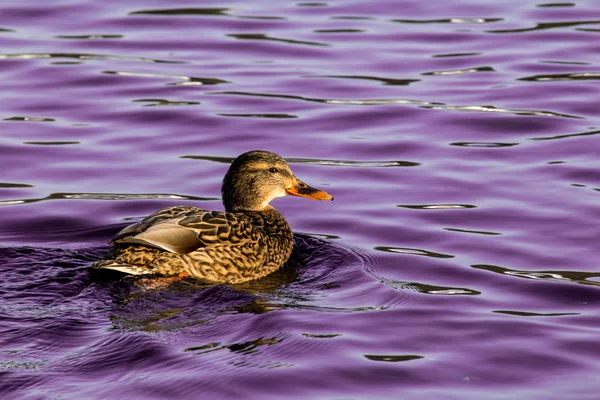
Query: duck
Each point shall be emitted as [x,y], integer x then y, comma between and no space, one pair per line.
[247,241]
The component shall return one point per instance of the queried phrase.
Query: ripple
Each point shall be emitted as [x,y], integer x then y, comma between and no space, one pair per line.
[555,5]
[30,119]
[318,235]
[78,56]
[483,144]
[273,115]
[104,196]
[567,136]
[252,346]
[15,185]
[579,277]
[449,21]
[262,36]
[314,161]
[183,11]
[321,336]
[460,71]
[393,358]
[370,102]
[165,102]
[201,348]
[446,55]
[423,288]
[412,251]
[472,231]
[329,101]
[182,80]
[385,81]
[326,309]
[243,354]
[501,110]
[50,143]
[579,76]
[352,18]
[262,17]
[440,290]
[311,4]
[89,37]
[546,25]
[533,314]
[436,206]
[339,30]
[565,62]
[348,163]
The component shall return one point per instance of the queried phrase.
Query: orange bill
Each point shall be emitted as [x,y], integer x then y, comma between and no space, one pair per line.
[301,189]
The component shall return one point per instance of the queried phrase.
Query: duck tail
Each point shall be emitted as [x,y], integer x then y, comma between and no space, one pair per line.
[113,265]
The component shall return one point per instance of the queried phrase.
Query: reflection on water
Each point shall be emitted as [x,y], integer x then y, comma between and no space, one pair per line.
[180,79]
[99,196]
[437,206]
[483,144]
[460,71]
[333,163]
[472,231]
[14,185]
[393,358]
[276,116]
[385,81]
[566,136]
[262,36]
[417,252]
[501,110]
[545,26]
[165,102]
[330,101]
[30,119]
[89,37]
[581,277]
[532,314]
[29,56]
[563,77]
[52,143]
[183,11]
[449,21]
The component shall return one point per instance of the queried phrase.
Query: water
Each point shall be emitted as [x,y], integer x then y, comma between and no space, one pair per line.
[460,140]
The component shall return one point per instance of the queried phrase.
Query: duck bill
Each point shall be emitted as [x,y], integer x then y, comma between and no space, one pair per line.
[301,189]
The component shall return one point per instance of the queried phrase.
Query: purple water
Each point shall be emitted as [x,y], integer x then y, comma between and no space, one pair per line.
[460,139]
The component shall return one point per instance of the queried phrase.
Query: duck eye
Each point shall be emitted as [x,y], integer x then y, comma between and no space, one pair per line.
[273,170]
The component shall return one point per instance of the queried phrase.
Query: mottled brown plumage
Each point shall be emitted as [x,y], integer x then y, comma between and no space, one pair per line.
[248,241]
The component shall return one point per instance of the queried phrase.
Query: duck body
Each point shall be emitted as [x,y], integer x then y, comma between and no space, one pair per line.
[248,241]
[210,245]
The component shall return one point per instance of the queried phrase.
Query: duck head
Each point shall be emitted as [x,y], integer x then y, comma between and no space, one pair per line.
[257,177]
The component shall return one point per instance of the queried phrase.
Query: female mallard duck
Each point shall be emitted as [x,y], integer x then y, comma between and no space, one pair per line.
[248,241]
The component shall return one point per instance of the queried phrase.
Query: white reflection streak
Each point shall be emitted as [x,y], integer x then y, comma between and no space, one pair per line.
[376,101]
[10,202]
[30,56]
[501,110]
[185,79]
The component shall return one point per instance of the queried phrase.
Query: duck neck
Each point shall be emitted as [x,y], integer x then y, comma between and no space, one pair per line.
[236,201]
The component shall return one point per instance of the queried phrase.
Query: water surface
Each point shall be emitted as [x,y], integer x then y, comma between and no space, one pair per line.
[460,140]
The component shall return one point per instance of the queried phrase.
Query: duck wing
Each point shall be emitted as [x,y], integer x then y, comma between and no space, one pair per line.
[183,230]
